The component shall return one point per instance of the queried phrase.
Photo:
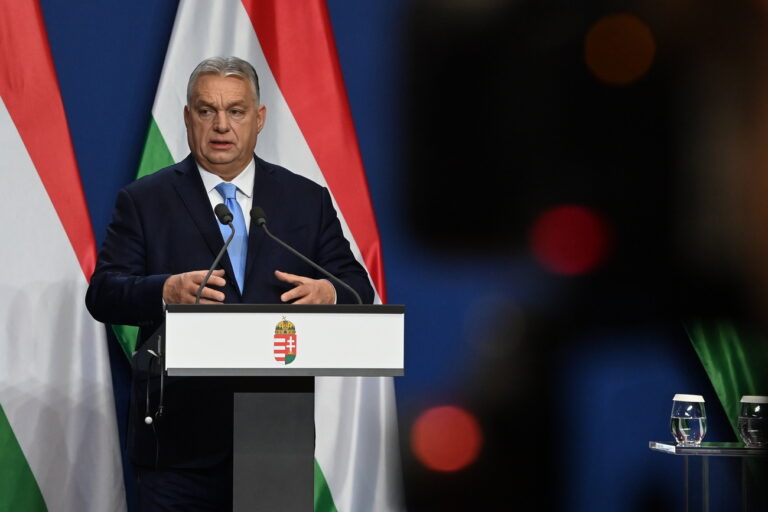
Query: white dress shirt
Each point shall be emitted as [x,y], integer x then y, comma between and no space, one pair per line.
[244,184]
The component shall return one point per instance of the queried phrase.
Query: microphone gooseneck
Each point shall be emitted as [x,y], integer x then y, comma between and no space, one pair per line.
[225,217]
[260,219]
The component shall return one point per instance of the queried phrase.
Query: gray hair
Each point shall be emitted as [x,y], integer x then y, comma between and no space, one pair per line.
[225,66]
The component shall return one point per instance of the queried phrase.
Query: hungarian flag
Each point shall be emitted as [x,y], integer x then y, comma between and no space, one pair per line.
[58,434]
[309,130]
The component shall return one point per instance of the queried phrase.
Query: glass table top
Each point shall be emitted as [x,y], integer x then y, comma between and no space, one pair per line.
[721,449]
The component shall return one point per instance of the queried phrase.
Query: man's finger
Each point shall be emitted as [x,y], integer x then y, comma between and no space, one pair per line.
[217,281]
[295,293]
[290,278]
[217,277]
[207,293]
[199,275]
[316,294]
[210,293]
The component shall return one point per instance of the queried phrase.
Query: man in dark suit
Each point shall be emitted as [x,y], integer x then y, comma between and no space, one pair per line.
[163,237]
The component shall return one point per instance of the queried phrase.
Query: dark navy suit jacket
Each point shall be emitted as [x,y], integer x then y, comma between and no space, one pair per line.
[162,225]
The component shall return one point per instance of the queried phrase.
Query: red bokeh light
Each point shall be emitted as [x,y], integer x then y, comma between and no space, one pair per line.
[570,240]
[446,438]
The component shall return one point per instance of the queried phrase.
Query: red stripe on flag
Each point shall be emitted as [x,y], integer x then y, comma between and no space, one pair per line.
[298,42]
[30,91]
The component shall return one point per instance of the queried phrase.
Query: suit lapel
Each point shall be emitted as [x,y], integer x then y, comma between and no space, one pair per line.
[189,186]
[267,194]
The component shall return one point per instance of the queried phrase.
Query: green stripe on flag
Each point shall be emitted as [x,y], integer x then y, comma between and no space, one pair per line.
[735,361]
[18,487]
[155,156]
[127,336]
[323,498]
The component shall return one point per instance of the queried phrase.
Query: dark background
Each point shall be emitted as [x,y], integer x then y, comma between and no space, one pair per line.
[473,118]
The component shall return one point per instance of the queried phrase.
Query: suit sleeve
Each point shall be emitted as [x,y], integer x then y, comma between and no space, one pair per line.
[334,254]
[120,292]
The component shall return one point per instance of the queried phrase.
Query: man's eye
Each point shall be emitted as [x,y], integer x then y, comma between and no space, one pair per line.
[237,112]
[205,111]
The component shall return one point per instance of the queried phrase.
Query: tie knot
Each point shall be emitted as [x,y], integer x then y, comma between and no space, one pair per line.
[227,190]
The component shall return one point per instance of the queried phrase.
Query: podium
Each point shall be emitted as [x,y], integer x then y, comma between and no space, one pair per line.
[281,348]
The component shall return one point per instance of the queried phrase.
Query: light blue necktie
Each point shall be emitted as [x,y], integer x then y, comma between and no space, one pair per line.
[237,250]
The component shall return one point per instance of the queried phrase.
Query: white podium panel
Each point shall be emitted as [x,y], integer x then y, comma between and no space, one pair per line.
[299,340]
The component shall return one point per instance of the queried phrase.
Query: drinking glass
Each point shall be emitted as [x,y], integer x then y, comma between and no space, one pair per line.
[752,421]
[689,419]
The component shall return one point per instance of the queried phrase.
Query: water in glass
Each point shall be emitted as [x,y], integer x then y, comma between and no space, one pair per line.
[753,418]
[688,431]
[753,431]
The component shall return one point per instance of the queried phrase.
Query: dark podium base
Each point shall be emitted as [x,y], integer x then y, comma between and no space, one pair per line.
[274,445]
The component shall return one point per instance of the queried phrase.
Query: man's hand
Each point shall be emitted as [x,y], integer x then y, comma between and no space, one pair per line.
[182,288]
[307,290]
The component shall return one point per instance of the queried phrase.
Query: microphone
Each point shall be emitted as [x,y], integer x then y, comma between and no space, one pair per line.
[260,218]
[225,217]
[223,213]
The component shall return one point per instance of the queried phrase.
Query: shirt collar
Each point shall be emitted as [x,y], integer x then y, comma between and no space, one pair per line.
[243,181]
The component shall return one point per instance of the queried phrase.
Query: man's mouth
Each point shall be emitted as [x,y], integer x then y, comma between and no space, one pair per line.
[221,144]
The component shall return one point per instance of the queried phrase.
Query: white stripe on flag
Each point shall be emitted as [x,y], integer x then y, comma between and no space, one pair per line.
[55,381]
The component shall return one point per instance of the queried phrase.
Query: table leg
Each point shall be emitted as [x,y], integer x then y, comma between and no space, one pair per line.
[705,484]
[744,504]
[685,476]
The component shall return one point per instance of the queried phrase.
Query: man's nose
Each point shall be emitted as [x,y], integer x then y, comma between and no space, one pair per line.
[221,122]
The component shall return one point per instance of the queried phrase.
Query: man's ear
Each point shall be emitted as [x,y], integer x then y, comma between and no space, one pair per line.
[261,118]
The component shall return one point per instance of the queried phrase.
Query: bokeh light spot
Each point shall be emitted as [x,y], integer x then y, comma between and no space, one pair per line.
[446,438]
[619,49]
[570,240]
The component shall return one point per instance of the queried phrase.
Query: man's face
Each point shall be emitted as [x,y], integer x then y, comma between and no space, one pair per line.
[223,122]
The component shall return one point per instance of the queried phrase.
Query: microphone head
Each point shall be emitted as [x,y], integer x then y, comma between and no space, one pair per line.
[258,216]
[223,213]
